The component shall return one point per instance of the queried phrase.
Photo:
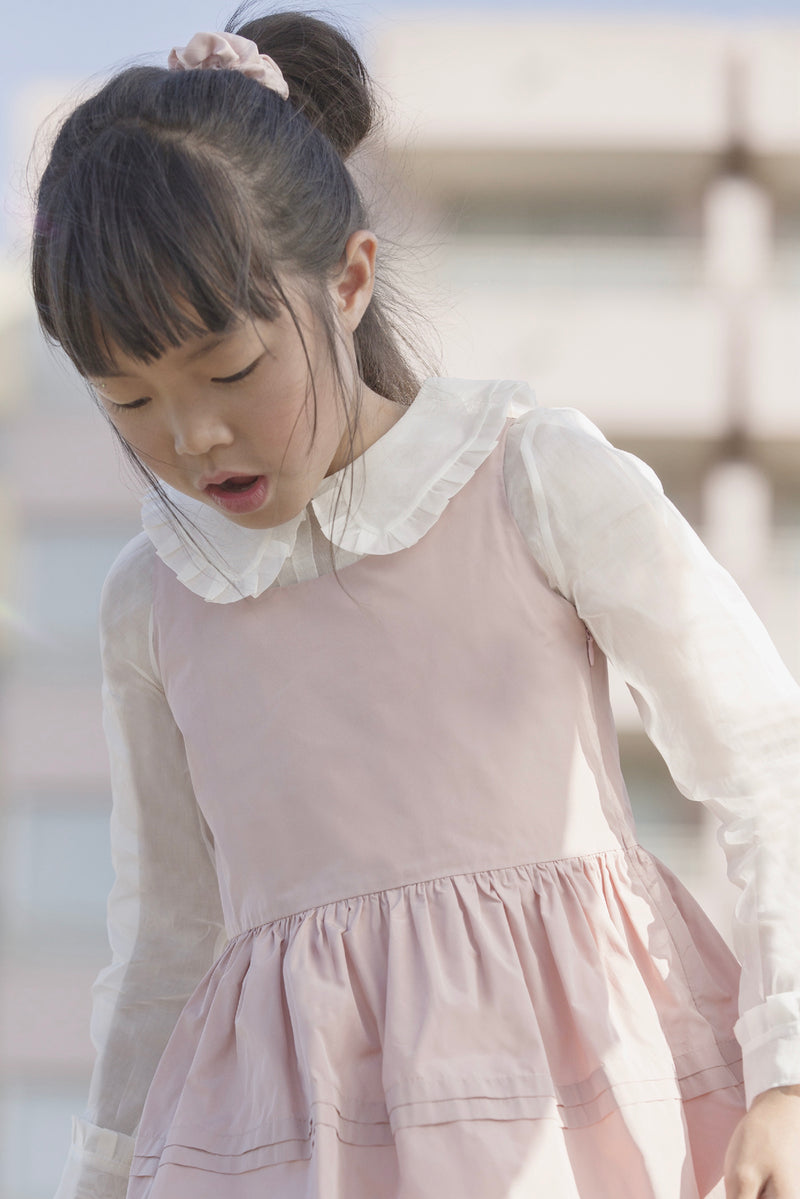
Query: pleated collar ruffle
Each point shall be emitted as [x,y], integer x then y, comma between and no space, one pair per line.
[402,483]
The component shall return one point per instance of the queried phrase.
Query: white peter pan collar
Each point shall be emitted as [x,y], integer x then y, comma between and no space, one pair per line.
[401,485]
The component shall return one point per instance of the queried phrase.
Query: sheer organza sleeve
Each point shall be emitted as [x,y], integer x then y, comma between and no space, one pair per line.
[164,915]
[713,694]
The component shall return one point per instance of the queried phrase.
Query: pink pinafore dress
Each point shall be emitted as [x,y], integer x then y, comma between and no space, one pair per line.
[452,971]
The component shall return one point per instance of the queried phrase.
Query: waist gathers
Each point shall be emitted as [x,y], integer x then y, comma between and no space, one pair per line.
[529,872]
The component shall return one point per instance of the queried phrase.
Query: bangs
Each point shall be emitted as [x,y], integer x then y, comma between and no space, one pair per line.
[153,244]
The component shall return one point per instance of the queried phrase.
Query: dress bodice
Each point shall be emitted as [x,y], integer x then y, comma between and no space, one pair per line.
[341,741]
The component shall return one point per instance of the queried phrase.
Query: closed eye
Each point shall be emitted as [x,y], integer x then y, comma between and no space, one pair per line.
[124,407]
[240,374]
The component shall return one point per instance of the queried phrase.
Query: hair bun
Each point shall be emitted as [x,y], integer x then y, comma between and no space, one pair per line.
[327,79]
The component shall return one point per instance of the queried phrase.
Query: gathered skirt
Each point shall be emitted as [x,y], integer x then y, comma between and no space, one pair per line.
[560,1029]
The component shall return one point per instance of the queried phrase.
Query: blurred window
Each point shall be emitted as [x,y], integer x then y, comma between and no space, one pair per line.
[667,823]
[784,573]
[654,797]
[60,576]
[56,873]
[786,245]
[63,574]
[35,1125]
[54,384]
[532,244]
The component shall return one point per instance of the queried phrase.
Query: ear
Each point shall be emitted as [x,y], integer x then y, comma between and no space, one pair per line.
[352,287]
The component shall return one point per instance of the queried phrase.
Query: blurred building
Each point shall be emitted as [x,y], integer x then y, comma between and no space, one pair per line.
[66,511]
[609,209]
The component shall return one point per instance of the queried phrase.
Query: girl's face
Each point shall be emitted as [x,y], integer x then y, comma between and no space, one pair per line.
[228,419]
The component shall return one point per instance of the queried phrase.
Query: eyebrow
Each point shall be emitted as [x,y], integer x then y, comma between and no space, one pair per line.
[201,351]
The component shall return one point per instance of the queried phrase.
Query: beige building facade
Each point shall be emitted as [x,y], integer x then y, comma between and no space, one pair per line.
[607,209]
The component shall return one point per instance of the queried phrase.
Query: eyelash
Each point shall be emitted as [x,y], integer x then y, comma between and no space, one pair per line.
[124,407]
[237,378]
[241,374]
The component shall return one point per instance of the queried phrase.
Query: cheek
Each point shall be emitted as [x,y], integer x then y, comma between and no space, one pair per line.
[148,443]
[286,426]
[140,436]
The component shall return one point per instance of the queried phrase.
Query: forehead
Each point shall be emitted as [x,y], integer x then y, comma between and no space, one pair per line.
[291,315]
[192,349]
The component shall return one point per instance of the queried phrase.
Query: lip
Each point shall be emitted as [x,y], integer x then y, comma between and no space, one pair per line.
[250,499]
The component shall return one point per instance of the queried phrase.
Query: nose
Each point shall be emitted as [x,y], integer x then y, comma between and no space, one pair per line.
[198,430]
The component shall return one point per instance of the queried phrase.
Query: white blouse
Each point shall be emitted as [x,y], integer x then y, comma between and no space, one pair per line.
[713,694]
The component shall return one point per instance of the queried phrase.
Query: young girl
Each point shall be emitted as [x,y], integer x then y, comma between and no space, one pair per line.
[381,927]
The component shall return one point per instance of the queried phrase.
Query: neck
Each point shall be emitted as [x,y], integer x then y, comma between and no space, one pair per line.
[376,417]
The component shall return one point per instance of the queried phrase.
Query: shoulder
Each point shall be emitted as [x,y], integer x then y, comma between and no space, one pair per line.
[562,449]
[552,430]
[129,582]
[577,499]
[126,603]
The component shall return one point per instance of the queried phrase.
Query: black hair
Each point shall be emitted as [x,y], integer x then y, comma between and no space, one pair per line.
[174,202]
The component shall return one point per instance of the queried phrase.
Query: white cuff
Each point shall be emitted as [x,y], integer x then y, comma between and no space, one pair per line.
[770,1039]
[98,1164]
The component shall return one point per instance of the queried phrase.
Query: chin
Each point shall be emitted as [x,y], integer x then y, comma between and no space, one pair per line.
[263,520]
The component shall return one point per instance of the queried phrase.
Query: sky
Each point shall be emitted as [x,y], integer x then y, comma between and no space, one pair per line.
[73,40]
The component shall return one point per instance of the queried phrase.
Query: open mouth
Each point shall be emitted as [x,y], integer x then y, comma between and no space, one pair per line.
[239,493]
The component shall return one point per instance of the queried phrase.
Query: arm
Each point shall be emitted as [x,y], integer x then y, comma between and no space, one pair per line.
[164,916]
[713,694]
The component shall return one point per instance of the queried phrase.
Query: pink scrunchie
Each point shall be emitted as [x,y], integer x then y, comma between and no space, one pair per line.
[228,51]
